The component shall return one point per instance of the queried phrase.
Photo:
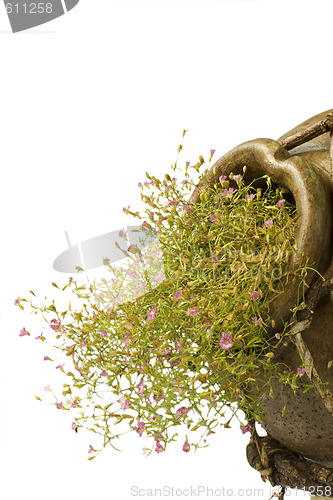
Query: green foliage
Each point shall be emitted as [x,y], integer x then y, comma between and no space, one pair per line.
[182,339]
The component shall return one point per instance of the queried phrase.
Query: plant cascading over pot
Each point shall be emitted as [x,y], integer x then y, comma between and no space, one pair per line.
[229,308]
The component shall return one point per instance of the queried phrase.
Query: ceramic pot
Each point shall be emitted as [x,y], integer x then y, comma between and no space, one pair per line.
[307,425]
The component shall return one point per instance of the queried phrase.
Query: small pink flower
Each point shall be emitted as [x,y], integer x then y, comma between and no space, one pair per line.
[181,411]
[84,343]
[47,388]
[245,428]
[238,177]
[179,346]
[254,295]
[55,325]
[141,385]
[178,295]
[160,277]
[167,352]
[186,208]
[268,223]
[104,373]
[186,447]
[277,336]
[159,447]
[140,427]
[124,402]
[174,203]
[116,300]
[262,398]
[222,178]
[226,341]
[17,302]
[61,367]
[70,280]
[103,334]
[126,209]
[250,196]
[193,312]
[91,449]
[23,332]
[139,184]
[60,406]
[228,192]
[187,163]
[213,218]
[74,426]
[212,151]
[46,358]
[281,202]
[185,181]
[301,371]
[256,321]
[152,314]
[74,404]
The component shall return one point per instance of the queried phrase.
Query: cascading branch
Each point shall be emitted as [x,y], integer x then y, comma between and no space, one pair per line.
[177,358]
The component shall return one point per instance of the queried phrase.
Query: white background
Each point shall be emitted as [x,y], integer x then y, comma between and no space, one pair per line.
[88,103]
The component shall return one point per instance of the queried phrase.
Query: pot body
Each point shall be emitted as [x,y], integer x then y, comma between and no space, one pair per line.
[307,425]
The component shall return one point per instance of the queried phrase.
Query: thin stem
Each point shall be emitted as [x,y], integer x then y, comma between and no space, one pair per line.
[242,379]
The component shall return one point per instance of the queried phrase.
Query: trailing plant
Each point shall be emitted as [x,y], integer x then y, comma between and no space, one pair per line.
[174,340]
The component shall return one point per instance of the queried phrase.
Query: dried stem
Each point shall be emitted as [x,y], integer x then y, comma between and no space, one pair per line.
[309,133]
